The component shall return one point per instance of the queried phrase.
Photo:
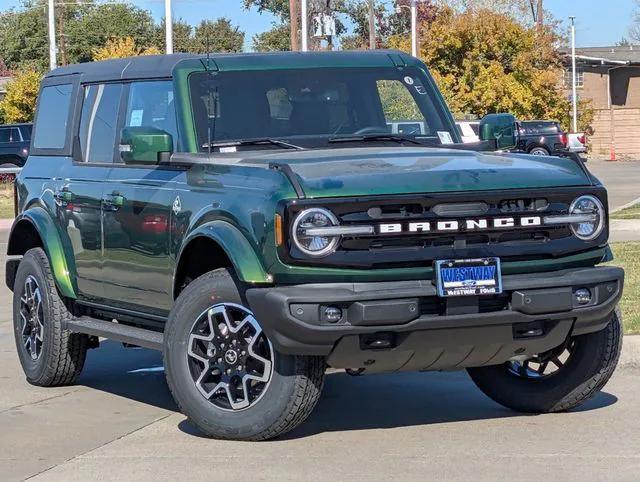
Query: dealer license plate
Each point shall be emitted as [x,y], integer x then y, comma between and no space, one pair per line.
[468,277]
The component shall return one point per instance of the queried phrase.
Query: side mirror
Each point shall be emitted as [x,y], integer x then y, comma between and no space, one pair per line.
[500,128]
[145,145]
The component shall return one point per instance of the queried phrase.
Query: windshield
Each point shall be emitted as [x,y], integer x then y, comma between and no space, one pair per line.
[310,107]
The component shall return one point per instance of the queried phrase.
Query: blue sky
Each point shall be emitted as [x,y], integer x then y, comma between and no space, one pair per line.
[598,22]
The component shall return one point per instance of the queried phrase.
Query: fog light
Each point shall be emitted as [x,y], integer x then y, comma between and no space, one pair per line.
[332,314]
[582,296]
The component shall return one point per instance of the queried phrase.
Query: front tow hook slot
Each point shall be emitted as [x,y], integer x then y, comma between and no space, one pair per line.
[378,341]
[528,330]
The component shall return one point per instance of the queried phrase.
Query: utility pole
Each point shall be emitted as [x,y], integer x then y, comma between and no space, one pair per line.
[53,61]
[305,26]
[294,22]
[574,97]
[540,15]
[168,23]
[63,42]
[372,26]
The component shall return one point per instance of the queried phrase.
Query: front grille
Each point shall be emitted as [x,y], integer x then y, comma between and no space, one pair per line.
[411,249]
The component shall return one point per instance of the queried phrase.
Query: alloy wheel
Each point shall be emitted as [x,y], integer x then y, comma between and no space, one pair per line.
[229,357]
[31,316]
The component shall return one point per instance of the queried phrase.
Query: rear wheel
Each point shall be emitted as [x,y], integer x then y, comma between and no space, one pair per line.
[224,372]
[539,151]
[50,355]
[559,379]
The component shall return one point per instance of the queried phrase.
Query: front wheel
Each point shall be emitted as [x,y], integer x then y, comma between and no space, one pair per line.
[559,379]
[224,372]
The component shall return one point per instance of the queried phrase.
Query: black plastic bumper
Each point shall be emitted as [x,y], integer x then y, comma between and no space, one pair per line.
[404,325]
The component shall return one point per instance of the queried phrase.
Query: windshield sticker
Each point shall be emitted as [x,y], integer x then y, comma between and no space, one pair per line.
[408,80]
[228,149]
[445,137]
[136,118]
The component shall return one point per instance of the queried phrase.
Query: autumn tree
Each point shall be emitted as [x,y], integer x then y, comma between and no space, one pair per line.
[19,103]
[487,62]
[120,48]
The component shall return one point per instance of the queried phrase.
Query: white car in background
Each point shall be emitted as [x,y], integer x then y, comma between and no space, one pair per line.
[469,130]
[577,142]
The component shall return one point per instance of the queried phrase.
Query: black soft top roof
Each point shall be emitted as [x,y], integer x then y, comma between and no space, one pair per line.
[145,66]
[161,66]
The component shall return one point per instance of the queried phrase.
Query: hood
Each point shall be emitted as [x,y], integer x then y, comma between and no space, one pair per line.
[408,170]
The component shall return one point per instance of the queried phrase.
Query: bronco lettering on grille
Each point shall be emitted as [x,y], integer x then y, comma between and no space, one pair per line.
[459,225]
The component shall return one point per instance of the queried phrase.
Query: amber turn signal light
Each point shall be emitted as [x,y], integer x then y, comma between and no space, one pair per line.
[277,226]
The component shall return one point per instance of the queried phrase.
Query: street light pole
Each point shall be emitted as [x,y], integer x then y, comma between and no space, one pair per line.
[414,28]
[574,97]
[304,22]
[168,23]
[53,61]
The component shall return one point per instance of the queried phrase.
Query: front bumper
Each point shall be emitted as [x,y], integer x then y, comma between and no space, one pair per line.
[404,325]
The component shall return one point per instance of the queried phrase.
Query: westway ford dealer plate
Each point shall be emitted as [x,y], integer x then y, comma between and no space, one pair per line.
[468,277]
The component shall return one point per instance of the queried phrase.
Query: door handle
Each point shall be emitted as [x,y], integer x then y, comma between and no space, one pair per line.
[113,201]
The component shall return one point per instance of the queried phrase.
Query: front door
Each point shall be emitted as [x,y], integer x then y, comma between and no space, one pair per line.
[137,212]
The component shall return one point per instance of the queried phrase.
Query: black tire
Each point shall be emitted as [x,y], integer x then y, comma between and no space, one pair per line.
[289,397]
[589,368]
[539,151]
[62,353]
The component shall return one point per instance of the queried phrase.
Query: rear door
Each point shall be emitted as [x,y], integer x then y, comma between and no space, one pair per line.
[138,268]
[81,189]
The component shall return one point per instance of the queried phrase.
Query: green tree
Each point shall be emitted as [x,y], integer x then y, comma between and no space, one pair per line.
[19,103]
[280,8]
[274,40]
[218,36]
[487,62]
[80,29]
[182,36]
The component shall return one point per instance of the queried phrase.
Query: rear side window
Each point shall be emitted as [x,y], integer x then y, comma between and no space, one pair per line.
[99,122]
[540,128]
[26,132]
[5,135]
[53,116]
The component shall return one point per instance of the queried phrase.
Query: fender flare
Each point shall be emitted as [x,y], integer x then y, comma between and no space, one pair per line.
[41,221]
[236,246]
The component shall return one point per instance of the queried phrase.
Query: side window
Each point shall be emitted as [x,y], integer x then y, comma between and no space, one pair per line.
[26,132]
[5,135]
[99,122]
[53,116]
[15,135]
[151,105]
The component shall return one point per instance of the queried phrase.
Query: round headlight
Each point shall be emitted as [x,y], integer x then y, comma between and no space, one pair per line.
[592,208]
[311,244]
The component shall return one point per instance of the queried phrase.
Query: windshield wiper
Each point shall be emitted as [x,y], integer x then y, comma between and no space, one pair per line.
[253,142]
[375,137]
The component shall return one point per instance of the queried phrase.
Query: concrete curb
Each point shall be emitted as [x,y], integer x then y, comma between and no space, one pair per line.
[625,206]
[630,356]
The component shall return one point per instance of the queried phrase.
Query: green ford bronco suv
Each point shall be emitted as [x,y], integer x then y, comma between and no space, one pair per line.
[257,219]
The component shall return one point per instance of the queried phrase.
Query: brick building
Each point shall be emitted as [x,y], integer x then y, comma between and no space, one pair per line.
[610,77]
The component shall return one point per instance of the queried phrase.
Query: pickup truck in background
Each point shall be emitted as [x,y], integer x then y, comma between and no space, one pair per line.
[542,138]
[14,144]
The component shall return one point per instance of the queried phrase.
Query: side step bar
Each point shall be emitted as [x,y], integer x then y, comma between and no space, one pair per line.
[115,331]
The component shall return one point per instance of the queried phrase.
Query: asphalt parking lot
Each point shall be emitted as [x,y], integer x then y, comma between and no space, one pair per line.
[120,423]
